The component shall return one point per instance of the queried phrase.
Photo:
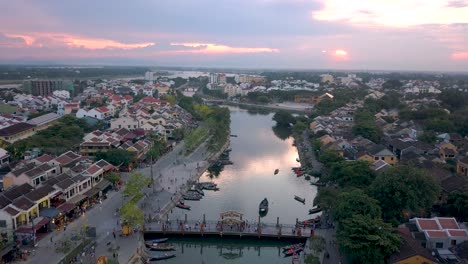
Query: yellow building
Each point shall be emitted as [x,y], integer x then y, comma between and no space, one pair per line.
[462,166]
[378,152]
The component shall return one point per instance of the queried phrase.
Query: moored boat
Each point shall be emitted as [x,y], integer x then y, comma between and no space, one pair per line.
[298,160]
[192,196]
[263,207]
[292,251]
[155,241]
[276,171]
[286,248]
[318,184]
[158,247]
[183,206]
[211,188]
[160,256]
[300,199]
[315,210]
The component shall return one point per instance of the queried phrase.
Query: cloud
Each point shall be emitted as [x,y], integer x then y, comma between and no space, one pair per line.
[394,13]
[72,41]
[210,48]
[460,55]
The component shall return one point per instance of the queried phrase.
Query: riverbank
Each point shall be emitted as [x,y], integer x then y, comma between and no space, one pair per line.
[290,107]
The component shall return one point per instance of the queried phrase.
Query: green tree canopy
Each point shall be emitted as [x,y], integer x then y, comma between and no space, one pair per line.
[326,197]
[135,185]
[117,157]
[330,157]
[132,215]
[352,174]
[457,205]
[366,239]
[404,190]
[355,202]
[284,118]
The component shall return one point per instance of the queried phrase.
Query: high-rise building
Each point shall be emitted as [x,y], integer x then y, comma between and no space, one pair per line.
[47,87]
[214,78]
[222,78]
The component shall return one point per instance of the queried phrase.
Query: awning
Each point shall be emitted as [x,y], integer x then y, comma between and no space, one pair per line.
[67,207]
[77,199]
[99,187]
[50,212]
[38,223]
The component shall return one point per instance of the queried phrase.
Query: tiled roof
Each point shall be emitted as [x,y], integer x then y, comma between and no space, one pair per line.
[15,129]
[409,248]
[10,210]
[17,191]
[43,119]
[458,232]
[25,168]
[66,183]
[4,201]
[436,233]
[427,224]
[40,193]
[448,223]
[44,158]
[93,169]
[23,203]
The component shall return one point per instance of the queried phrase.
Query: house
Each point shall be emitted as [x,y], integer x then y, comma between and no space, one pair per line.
[44,121]
[462,166]
[99,113]
[4,158]
[66,161]
[410,251]
[126,122]
[439,232]
[30,174]
[447,153]
[17,132]
[377,152]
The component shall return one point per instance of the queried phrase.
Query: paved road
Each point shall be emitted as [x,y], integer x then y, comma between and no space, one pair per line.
[165,171]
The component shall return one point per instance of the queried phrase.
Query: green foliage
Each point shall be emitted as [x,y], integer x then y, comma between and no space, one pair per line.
[117,157]
[299,127]
[328,158]
[179,81]
[157,150]
[194,138]
[178,134]
[364,126]
[457,205]
[65,135]
[355,202]
[219,122]
[282,132]
[135,185]
[311,259]
[114,177]
[326,197]
[132,215]
[263,99]
[138,81]
[454,99]
[392,84]
[342,96]
[170,99]
[367,239]
[428,137]
[404,190]
[317,244]
[284,118]
[352,174]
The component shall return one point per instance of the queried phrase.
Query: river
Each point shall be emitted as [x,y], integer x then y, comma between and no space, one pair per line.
[256,153]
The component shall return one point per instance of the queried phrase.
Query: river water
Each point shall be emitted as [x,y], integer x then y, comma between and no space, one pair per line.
[256,153]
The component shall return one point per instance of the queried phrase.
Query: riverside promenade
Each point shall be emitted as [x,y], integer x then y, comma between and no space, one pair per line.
[171,173]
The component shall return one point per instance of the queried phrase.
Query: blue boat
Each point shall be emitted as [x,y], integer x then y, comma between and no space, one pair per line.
[155,241]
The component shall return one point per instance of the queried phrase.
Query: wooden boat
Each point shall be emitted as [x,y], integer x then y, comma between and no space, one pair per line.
[211,188]
[158,247]
[160,256]
[315,210]
[194,196]
[233,135]
[292,251]
[318,183]
[286,248]
[300,199]
[310,222]
[298,160]
[155,241]
[182,206]
[225,162]
[263,207]
[276,171]
[295,168]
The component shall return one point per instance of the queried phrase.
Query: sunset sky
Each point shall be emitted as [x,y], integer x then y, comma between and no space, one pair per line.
[309,34]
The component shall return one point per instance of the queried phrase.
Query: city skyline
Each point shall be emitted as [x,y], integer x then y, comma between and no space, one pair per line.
[300,34]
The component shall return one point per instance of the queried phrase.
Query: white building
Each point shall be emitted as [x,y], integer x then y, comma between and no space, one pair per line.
[62,94]
[150,76]
[214,78]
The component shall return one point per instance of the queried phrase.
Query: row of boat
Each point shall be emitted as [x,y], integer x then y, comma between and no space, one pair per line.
[293,249]
[159,245]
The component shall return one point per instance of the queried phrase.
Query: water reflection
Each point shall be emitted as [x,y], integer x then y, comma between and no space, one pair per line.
[282,132]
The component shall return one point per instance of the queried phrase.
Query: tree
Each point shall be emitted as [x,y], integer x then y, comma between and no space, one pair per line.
[132,215]
[457,205]
[114,178]
[311,259]
[117,157]
[367,239]
[329,157]
[352,174]
[136,183]
[392,84]
[326,197]
[284,118]
[404,190]
[355,202]
[299,127]
[263,99]
[178,134]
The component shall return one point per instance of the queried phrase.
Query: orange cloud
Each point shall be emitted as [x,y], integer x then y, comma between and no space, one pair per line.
[209,48]
[394,13]
[36,39]
[460,55]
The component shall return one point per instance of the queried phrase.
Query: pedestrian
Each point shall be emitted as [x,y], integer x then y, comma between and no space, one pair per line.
[51,240]
[114,235]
